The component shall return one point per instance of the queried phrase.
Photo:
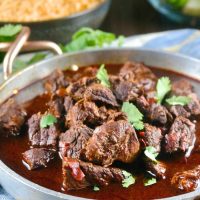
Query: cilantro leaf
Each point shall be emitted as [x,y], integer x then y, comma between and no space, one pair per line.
[178,100]
[149,181]
[151,153]
[102,75]
[96,188]
[87,38]
[135,117]
[47,120]
[129,179]
[163,87]
[10,30]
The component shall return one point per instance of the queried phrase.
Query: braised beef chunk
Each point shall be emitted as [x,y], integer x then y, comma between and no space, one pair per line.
[77,89]
[181,135]
[12,117]
[99,93]
[157,113]
[182,88]
[187,181]
[125,90]
[152,136]
[140,74]
[68,103]
[179,110]
[74,140]
[56,80]
[114,140]
[42,137]
[79,174]
[37,157]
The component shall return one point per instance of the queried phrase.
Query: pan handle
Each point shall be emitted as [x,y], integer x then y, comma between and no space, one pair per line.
[22,44]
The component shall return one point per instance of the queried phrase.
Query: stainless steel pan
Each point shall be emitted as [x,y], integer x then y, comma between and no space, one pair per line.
[30,81]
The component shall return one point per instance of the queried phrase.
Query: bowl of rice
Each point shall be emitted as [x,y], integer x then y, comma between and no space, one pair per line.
[54,20]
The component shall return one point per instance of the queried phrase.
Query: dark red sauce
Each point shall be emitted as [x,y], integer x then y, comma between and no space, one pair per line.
[11,150]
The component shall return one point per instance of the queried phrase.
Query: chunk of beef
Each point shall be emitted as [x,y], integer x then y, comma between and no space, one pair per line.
[85,112]
[56,80]
[179,110]
[79,174]
[142,104]
[182,88]
[113,115]
[77,89]
[159,114]
[152,136]
[99,93]
[68,103]
[125,90]
[181,135]
[37,157]
[114,140]
[42,137]
[12,117]
[139,73]
[156,169]
[74,140]
[187,181]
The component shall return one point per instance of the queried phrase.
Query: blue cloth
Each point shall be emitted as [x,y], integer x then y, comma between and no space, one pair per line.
[186,41]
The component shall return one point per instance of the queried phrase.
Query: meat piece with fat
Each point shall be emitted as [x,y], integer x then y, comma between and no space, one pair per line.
[181,136]
[114,140]
[37,157]
[12,117]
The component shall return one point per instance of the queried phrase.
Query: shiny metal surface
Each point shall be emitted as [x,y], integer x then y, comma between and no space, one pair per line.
[21,188]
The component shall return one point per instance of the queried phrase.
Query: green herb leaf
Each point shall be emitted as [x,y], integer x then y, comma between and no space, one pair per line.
[87,38]
[177,4]
[129,179]
[102,75]
[151,153]
[135,117]
[36,58]
[150,181]
[163,87]
[10,30]
[178,100]
[47,120]
[96,188]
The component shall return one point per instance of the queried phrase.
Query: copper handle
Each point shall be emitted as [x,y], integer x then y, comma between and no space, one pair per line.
[21,44]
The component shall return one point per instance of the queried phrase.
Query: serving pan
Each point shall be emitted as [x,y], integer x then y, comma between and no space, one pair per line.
[30,81]
[60,30]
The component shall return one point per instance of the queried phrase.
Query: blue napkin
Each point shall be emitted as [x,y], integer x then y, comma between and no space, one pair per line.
[185,41]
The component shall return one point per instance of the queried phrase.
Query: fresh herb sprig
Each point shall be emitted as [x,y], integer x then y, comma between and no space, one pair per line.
[150,181]
[102,76]
[96,188]
[47,120]
[151,153]
[129,179]
[135,117]
[178,100]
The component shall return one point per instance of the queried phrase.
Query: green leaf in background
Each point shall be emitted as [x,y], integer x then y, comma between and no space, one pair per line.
[150,181]
[178,100]
[87,38]
[20,64]
[10,30]
[102,76]
[151,153]
[177,4]
[135,117]
[162,88]
[47,120]
[192,8]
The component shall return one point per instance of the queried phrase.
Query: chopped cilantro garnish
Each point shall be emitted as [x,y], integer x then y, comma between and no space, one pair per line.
[135,117]
[129,179]
[178,100]
[102,75]
[151,153]
[96,188]
[47,120]
[149,181]
[163,87]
